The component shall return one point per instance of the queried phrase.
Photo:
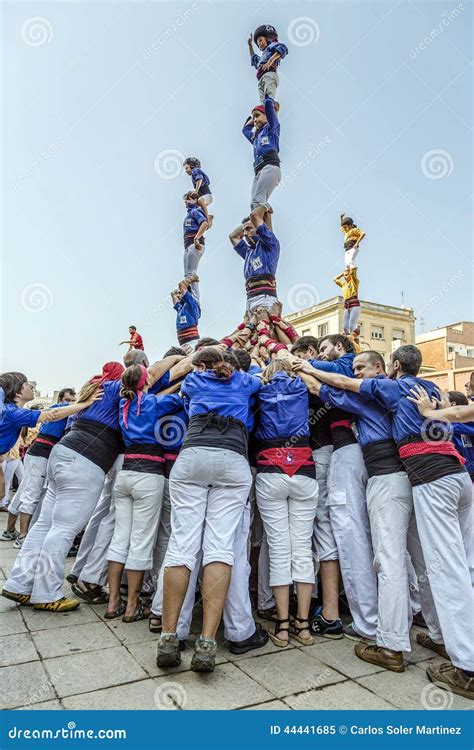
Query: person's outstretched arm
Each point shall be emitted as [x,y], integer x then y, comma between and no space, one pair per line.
[427,408]
[62,412]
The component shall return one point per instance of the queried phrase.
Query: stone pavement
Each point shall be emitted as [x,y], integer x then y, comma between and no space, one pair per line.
[79,660]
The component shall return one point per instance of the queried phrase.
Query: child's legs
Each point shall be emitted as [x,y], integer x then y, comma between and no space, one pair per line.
[267,85]
[354,313]
[346,320]
[264,184]
[350,256]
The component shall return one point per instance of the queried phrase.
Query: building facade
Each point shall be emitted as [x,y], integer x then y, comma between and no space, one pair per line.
[382,327]
[448,355]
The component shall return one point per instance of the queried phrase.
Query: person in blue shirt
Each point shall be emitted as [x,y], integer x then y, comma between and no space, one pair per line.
[194,227]
[201,185]
[259,248]
[262,129]
[209,487]
[266,39]
[188,312]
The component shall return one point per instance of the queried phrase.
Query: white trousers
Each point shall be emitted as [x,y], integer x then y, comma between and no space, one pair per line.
[163,534]
[443,510]
[74,487]
[347,480]
[10,467]
[323,536]
[209,488]
[138,497]
[33,486]
[258,538]
[288,507]
[350,256]
[91,561]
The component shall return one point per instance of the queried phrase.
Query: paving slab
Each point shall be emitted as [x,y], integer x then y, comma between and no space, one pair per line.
[268,648]
[145,654]
[16,649]
[91,636]
[340,656]
[270,706]
[37,620]
[133,696]
[81,673]
[289,671]
[46,706]
[131,632]
[25,684]
[412,690]
[12,622]
[344,696]
[226,688]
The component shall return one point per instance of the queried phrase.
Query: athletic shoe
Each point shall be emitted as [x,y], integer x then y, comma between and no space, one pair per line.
[23,599]
[325,628]
[257,640]
[383,657]
[353,635]
[9,536]
[168,651]
[424,640]
[451,678]
[19,541]
[204,657]
[61,605]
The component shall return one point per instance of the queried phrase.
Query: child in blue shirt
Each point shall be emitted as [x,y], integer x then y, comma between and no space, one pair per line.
[188,312]
[201,185]
[262,129]
[266,39]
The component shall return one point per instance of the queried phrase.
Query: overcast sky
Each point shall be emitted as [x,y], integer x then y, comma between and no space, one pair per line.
[102,99]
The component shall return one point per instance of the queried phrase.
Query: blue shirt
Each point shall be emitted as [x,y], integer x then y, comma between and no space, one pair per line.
[196,175]
[13,419]
[161,383]
[392,396]
[188,311]
[56,429]
[258,60]
[170,428]
[341,366]
[260,254]
[267,139]
[284,408]
[105,411]
[463,437]
[229,398]
[193,220]
[373,421]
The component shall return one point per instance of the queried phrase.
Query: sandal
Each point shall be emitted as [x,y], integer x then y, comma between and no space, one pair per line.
[23,599]
[268,614]
[295,632]
[154,623]
[61,605]
[278,629]
[92,593]
[141,613]
[118,612]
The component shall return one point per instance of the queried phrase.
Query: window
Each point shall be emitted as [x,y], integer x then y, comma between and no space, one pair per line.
[323,329]
[377,332]
[450,349]
[398,333]
[470,352]
[361,329]
[306,332]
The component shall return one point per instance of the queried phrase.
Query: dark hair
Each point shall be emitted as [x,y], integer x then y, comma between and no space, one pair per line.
[12,383]
[191,194]
[206,342]
[338,338]
[375,358]
[174,351]
[409,357]
[192,161]
[214,360]
[347,220]
[231,359]
[134,327]
[459,398]
[246,219]
[130,379]
[63,392]
[303,343]
[243,358]
[135,357]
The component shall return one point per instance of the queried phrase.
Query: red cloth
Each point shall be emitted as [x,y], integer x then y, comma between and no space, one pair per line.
[259,108]
[289,460]
[443,447]
[110,371]
[341,423]
[137,341]
[145,456]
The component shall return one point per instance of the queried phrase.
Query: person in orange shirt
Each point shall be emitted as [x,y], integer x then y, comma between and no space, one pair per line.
[349,283]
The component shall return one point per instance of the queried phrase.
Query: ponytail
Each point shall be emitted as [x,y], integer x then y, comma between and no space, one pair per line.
[223,370]
[213,359]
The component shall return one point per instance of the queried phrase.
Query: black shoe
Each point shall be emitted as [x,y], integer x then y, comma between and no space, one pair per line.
[71,578]
[419,620]
[325,628]
[257,640]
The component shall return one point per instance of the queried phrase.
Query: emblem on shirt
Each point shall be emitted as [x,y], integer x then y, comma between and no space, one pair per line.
[264,141]
[182,319]
[289,458]
[256,263]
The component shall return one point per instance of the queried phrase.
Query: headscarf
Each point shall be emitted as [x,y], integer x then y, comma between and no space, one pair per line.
[140,386]
[110,371]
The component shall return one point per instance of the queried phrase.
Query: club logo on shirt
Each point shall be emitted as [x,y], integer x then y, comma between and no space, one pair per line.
[256,263]
[183,319]
[289,458]
[264,141]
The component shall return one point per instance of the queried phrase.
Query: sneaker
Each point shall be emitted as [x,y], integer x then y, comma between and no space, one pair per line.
[353,635]
[424,640]
[325,628]
[451,678]
[383,657]
[61,605]
[168,652]
[257,640]
[23,599]
[9,536]
[19,541]
[204,657]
